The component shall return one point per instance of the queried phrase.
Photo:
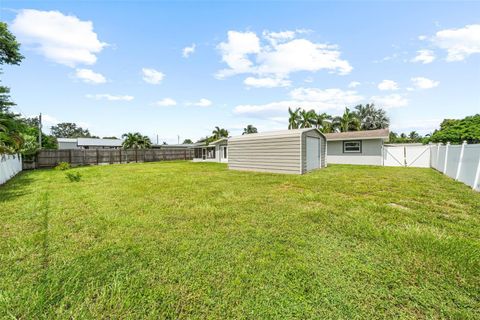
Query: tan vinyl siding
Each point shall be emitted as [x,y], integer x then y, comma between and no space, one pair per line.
[278,152]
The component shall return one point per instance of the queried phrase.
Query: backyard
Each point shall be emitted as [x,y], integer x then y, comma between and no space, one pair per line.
[195,240]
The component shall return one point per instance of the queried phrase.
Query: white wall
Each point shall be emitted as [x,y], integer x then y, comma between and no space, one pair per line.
[10,165]
[460,162]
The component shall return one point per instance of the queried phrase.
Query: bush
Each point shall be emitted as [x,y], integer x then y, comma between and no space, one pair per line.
[74,176]
[62,166]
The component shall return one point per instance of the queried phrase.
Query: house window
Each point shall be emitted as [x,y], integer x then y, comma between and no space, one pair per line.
[225,155]
[352,146]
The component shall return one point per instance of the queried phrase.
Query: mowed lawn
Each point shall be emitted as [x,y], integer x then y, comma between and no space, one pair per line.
[192,240]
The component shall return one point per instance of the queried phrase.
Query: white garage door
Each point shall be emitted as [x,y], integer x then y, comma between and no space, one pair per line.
[313,153]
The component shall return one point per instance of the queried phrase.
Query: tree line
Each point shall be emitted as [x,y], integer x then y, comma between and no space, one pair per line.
[363,117]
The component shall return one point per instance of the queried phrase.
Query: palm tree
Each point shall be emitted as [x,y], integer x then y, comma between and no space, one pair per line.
[293,118]
[249,129]
[136,141]
[307,119]
[219,133]
[323,122]
[371,118]
[11,140]
[347,122]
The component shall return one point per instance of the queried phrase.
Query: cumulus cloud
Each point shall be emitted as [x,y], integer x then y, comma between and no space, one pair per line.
[387,85]
[152,76]
[90,76]
[459,43]
[424,83]
[166,102]
[64,39]
[308,98]
[424,56]
[277,55]
[200,103]
[390,101]
[110,97]
[187,51]
[266,82]
[354,84]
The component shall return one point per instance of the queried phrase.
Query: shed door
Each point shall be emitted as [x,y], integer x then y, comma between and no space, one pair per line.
[313,153]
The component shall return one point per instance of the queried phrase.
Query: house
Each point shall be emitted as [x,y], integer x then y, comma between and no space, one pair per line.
[215,151]
[288,151]
[88,143]
[356,147]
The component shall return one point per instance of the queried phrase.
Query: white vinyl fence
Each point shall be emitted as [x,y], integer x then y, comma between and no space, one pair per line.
[460,162]
[10,165]
[406,156]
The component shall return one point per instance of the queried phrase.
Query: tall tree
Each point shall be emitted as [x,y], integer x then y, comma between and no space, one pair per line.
[347,122]
[219,133]
[187,141]
[136,141]
[293,118]
[307,118]
[456,131]
[249,129]
[11,137]
[323,122]
[69,130]
[371,117]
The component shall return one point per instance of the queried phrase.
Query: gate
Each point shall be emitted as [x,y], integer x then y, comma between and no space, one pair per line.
[406,156]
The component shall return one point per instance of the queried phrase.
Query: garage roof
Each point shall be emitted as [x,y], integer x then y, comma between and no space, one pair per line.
[359,135]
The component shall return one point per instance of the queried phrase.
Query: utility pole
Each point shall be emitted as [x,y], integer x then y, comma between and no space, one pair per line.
[157,139]
[178,139]
[40,130]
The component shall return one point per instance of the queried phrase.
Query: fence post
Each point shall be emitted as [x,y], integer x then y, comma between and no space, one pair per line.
[460,160]
[136,155]
[97,157]
[438,157]
[477,177]
[446,158]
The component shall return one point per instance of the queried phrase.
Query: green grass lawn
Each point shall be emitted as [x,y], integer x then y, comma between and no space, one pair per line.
[195,240]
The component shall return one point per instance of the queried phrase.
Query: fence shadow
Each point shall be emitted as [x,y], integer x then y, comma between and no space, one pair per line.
[16,187]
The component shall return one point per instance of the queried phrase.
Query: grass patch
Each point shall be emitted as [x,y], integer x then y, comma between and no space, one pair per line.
[195,240]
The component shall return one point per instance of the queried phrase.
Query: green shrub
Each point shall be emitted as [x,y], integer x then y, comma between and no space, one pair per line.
[74,176]
[62,166]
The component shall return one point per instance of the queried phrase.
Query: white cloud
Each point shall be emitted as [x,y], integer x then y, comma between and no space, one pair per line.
[110,97]
[279,55]
[424,56]
[187,51]
[390,101]
[90,76]
[459,43]
[266,82]
[200,103]
[387,85]
[424,83]
[64,39]
[422,37]
[307,98]
[166,102]
[420,125]
[48,120]
[152,76]
[354,84]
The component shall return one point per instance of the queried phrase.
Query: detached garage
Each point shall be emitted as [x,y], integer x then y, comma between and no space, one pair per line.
[289,151]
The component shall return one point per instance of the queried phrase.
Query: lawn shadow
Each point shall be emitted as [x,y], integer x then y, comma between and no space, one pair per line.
[16,187]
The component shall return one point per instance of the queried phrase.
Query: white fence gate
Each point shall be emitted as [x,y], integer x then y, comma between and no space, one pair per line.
[406,156]
[10,165]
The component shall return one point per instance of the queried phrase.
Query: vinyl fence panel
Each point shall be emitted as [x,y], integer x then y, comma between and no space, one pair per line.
[10,165]
[468,169]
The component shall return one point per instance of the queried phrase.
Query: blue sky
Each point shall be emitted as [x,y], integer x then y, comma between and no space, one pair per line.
[182,68]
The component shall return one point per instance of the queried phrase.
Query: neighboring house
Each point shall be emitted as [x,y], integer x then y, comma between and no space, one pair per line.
[356,147]
[288,151]
[88,143]
[215,151]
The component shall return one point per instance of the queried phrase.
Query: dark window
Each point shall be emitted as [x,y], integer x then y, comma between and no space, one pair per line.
[352,146]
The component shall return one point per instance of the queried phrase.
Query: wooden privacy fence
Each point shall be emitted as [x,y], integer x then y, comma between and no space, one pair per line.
[50,158]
